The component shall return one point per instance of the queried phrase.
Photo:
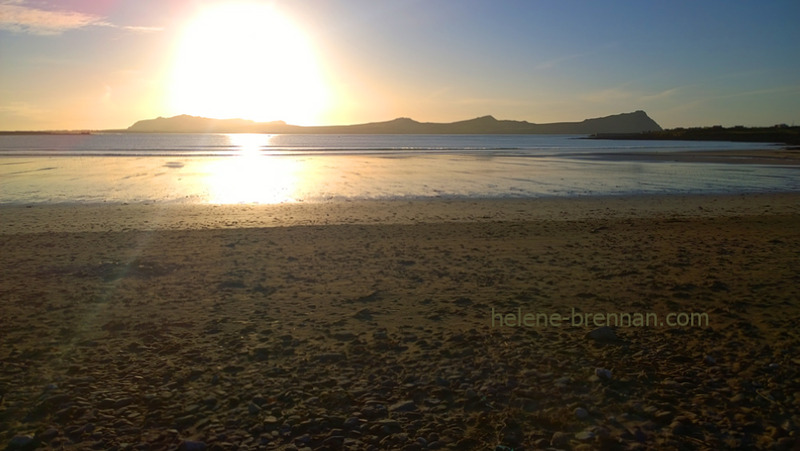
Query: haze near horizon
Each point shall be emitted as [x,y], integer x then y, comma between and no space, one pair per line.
[80,64]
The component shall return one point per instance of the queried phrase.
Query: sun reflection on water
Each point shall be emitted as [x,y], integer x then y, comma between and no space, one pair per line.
[250,176]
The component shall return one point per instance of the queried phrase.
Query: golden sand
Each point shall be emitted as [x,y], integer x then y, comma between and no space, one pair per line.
[399,325]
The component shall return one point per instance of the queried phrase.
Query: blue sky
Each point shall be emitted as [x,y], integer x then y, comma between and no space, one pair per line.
[108,63]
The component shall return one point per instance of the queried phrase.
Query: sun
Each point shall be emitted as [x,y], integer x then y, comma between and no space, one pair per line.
[246,60]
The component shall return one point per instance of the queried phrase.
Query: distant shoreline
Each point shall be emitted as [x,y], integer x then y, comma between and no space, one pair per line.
[46,132]
[781,134]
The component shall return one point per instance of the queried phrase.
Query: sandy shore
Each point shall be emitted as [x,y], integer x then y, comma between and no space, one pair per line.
[377,325]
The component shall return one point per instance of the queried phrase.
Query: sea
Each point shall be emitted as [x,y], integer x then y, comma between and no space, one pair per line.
[208,168]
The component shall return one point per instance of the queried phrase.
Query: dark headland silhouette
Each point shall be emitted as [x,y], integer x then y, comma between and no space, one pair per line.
[636,122]
[781,133]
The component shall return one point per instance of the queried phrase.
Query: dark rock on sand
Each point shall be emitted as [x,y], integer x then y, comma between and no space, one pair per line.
[191,445]
[21,442]
[352,423]
[403,406]
[560,439]
[604,334]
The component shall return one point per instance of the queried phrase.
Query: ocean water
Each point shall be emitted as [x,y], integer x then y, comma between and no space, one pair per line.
[255,168]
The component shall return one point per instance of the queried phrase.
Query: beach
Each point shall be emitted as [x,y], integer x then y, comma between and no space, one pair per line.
[420,324]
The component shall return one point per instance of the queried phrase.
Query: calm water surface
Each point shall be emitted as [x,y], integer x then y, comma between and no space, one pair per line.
[252,168]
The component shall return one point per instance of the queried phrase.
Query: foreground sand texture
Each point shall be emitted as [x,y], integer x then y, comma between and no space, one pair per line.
[190,330]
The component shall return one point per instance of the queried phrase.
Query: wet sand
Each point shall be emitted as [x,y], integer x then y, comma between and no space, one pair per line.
[789,156]
[396,325]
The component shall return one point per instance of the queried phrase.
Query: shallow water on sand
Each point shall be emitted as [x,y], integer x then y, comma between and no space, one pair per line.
[263,169]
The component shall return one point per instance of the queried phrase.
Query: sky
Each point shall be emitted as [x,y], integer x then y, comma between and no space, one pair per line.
[104,64]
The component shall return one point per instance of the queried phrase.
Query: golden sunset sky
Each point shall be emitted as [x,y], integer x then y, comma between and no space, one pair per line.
[79,64]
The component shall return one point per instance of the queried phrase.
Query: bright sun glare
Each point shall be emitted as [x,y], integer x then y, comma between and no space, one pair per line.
[250,176]
[245,60]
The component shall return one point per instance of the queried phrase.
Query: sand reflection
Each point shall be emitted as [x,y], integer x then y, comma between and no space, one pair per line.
[251,175]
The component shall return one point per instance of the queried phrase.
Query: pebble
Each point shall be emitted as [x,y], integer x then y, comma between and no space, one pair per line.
[403,406]
[563,381]
[191,445]
[559,439]
[21,442]
[333,441]
[737,398]
[388,426]
[352,423]
[603,373]
[585,435]
[664,416]
[604,334]
[270,420]
[581,413]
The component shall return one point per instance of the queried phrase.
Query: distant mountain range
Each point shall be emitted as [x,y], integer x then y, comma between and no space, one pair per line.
[635,122]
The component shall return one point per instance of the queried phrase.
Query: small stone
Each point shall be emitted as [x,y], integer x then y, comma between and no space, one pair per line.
[21,442]
[271,420]
[563,381]
[352,423]
[581,413]
[333,442]
[253,408]
[585,436]
[192,445]
[403,406]
[603,373]
[708,360]
[604,334]
[559,439]
[389,427]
